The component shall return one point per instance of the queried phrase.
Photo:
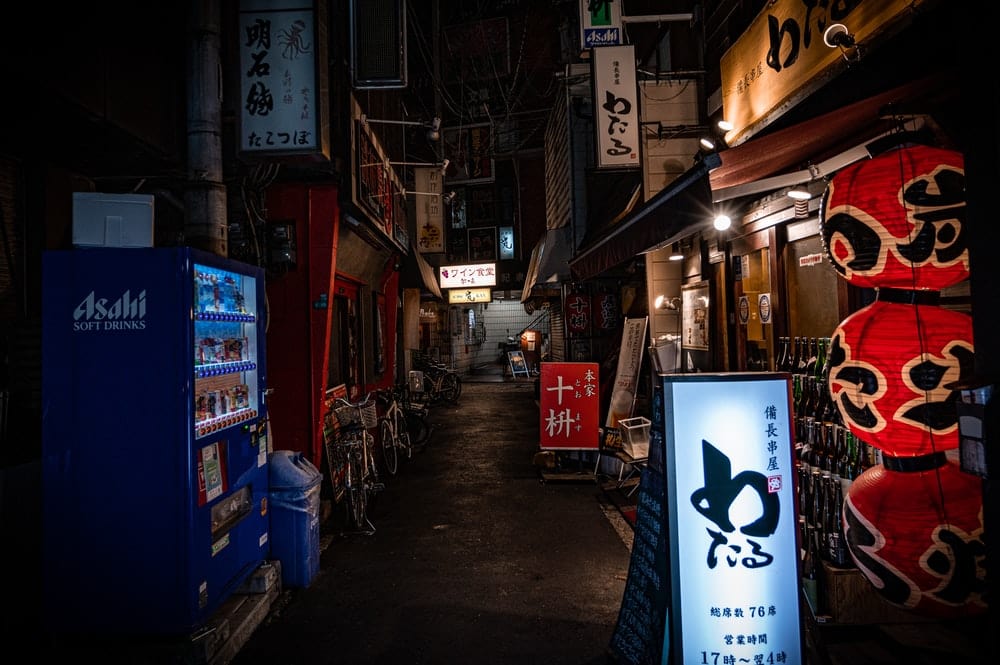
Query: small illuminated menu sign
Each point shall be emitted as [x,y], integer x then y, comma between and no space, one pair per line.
[731,520]
[464,277]
[458,296]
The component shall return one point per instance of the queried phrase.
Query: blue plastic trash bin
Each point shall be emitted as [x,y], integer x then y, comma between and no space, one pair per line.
[294,497]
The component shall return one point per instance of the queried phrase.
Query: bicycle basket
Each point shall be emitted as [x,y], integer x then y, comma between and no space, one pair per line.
[369,415]
[347,415]
[364,414]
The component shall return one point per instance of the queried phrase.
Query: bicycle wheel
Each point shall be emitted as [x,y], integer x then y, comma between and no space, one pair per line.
[402,433]
[354,489]
[451,387]
[416,426]
[386,441]
[431,393]
[372,483]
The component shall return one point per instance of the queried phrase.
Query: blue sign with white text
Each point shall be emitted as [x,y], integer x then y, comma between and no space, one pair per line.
[601,37]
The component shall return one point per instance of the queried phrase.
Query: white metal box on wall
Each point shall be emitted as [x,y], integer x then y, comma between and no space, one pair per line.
[112,220]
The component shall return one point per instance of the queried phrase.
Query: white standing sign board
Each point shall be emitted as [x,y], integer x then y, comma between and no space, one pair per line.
[731,513]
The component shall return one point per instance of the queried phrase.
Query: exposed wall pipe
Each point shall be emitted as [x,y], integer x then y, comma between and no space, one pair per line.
[205,226]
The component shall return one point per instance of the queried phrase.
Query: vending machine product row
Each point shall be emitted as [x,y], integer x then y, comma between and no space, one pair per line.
[154,437]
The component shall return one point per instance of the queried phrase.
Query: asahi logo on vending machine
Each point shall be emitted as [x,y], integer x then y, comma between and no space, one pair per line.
[123,313]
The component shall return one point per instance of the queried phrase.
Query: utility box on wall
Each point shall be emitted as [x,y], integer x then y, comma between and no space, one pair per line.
[112,220]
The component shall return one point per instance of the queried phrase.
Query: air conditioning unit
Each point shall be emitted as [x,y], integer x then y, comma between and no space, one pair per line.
[112,220]
[378,43]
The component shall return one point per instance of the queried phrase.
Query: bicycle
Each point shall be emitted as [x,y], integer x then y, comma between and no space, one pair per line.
[440,384]
[415,413]
[355,448]
[393,436]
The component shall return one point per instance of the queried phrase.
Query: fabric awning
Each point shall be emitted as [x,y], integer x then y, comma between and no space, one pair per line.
[816,140]
[677,211]
[417,272]
[549,260]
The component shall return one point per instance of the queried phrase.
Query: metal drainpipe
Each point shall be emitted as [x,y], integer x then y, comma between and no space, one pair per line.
[205,194]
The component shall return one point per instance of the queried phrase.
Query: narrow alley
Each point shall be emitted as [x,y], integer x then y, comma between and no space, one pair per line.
[473,558]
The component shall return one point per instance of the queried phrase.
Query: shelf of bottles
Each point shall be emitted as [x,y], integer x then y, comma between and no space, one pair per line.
[225,350]
[829,456]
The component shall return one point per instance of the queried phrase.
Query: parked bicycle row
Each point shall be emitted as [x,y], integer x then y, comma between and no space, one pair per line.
[367,440]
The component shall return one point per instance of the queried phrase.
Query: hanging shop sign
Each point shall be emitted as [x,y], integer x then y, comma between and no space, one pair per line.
[781,58]
[731,518]
[429,209]
[600,23]
[577,311]
[616,107]
[606,311]
[506,243]
[469,151]
[460,296]
[569,403]
[283,78]
[467,276]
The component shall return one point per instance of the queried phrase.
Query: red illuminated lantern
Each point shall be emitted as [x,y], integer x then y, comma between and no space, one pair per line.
[578,313]
[889,365]
[917,535]
[896,220]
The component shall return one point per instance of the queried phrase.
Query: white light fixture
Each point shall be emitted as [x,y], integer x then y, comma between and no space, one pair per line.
[799,194]
[724,125]
[722,222]
[838,36]
[706,143]
[675,252]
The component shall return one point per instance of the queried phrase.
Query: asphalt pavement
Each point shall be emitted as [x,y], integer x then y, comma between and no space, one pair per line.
[473,559]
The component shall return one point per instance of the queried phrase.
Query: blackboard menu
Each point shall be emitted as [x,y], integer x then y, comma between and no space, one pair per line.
[638,635]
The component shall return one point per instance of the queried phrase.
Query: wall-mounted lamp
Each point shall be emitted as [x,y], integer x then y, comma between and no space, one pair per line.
[443,166]
[722,222]
[724,125]
[433,127]
[675,252]
[663,302]
[446,198]
[837,36]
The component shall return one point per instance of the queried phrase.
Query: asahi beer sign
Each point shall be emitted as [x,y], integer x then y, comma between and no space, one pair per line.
[600,23]
[616,107]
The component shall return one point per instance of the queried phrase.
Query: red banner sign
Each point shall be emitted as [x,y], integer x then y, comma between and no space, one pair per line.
[569,401]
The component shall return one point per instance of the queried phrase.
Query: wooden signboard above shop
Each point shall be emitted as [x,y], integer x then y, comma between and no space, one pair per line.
[782,58]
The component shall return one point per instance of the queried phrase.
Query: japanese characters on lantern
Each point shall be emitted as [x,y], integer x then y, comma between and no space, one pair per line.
[895,221]
[914,523]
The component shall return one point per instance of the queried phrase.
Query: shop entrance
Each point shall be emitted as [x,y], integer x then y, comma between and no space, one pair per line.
[754,301]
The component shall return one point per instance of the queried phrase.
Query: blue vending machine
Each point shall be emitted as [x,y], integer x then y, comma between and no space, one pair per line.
[154,437]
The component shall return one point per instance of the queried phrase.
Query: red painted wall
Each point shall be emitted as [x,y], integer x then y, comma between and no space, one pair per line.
[297,316]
